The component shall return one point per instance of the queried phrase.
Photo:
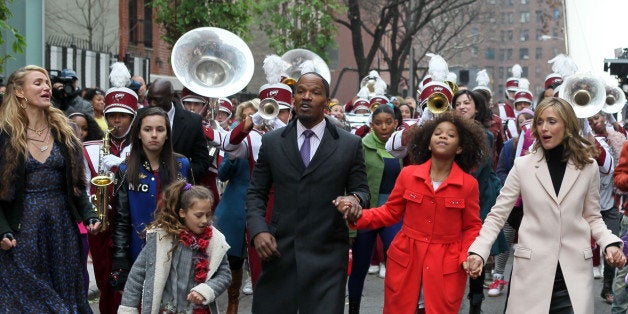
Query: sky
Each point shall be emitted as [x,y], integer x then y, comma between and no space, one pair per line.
[594,30]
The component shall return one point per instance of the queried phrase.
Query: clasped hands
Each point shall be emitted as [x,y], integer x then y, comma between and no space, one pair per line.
[349,207]
[613,255]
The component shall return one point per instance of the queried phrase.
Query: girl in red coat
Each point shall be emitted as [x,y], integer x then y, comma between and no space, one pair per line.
[439,203]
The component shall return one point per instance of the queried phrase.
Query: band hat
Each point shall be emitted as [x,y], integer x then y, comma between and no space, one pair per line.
[280,92]
[512,83]
[360,103]
[524,96]
[120,99]
[380,100]
[225,105]
[553,79]
[483,80]
[436,87]
[189,96]
[424,81]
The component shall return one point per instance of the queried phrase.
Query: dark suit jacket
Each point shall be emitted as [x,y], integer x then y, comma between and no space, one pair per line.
[311,234]
[188,140]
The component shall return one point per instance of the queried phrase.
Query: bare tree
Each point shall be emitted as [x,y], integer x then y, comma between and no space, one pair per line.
[392,27]
[87,22]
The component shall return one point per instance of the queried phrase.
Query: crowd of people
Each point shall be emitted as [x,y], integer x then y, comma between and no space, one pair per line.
[204,194]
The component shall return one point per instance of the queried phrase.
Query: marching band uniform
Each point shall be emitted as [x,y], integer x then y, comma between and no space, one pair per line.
[120,100]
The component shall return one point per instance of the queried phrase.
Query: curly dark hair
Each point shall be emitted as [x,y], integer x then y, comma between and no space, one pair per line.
[471,134]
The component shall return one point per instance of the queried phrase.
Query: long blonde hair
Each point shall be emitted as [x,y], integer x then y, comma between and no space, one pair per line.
[14,122]
[577,148]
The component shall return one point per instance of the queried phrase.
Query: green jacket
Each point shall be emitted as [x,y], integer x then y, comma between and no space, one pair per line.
[374,166]
[11,209]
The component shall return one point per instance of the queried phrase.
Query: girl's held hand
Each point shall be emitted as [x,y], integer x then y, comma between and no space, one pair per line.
[473,265]
[348,207]
[195,298]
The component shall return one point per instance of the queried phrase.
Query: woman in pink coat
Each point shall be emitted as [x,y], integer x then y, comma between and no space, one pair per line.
[439,203]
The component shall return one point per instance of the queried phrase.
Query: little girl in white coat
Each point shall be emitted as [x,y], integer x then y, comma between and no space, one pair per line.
[183,267]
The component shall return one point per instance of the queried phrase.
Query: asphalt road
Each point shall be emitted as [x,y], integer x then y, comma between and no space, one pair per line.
[373,298]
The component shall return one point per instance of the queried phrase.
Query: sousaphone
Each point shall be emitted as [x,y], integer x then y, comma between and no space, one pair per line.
[296,57]
[615,99]
[212,62]
[586,94]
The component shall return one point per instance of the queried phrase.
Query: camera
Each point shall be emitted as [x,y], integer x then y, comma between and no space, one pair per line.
[65,78]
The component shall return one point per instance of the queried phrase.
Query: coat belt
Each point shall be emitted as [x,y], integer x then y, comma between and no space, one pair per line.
[429,237]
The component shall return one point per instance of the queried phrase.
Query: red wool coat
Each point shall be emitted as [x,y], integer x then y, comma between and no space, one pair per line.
[438,228]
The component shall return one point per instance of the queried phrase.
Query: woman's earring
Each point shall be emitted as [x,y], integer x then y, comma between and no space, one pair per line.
[23,104]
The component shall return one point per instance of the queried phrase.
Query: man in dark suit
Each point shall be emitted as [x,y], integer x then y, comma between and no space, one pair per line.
[187,127]
[305,246]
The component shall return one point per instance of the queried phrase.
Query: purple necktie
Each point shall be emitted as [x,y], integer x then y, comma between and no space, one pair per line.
[305,147]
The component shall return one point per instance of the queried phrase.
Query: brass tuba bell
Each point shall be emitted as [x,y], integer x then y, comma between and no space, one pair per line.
[615,99]
[212,62]
[296,57]
[586,94]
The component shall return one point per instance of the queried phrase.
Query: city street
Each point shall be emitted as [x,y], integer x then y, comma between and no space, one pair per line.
[373,298]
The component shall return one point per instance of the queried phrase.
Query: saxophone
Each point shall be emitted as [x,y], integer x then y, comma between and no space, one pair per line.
[100,200]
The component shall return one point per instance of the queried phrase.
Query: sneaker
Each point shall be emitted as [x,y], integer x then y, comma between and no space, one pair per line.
[597,273]
[373,269]
[382,271]
[247,289]
[497,286]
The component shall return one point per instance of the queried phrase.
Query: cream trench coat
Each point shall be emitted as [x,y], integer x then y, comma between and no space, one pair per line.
[554,229]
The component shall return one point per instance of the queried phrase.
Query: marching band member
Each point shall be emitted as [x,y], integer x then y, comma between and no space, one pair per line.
[506,110]
[120,109]
[214,134]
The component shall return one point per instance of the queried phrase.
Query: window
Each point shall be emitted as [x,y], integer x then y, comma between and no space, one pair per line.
[525,17]
[148,25]
[524,54]
[524,73]
[539,16]
[489,54]
[556,14]
[510,34]
[509,54]
[539,53]
[539,34]
[133,36]
[501,72]
[537,72]
[474,51]
[524,35]
[525,1]
[474,32]
[492,1]
[502,54]
[511,18]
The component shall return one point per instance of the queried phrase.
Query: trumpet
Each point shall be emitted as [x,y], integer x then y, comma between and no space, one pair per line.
[268,109]
[100,200]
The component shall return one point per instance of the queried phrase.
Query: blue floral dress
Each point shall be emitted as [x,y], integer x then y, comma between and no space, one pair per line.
[43,273]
